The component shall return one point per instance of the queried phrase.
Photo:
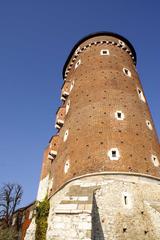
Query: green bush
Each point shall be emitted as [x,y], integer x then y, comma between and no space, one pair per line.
[8,234]
[42,212]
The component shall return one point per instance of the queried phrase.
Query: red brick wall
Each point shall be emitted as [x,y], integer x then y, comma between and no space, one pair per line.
[100,89]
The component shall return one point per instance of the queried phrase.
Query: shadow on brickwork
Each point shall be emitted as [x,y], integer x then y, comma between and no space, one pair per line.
[97,231]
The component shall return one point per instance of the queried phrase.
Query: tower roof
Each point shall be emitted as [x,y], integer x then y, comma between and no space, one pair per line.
[96,35]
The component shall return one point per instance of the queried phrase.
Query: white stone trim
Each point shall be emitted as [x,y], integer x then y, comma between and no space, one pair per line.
[120,44]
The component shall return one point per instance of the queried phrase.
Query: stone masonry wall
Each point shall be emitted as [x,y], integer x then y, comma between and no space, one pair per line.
[106,207]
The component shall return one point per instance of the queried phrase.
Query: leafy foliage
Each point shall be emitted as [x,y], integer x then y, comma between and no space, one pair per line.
[41,220]
[8,234]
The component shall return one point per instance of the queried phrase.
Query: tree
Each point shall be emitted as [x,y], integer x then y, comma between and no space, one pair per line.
[10,197]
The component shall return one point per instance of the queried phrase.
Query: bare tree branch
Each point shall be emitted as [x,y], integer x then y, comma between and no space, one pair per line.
[10,197]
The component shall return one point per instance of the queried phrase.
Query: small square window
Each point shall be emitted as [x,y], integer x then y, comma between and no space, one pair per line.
[114,154]
[119,115]
[104,52]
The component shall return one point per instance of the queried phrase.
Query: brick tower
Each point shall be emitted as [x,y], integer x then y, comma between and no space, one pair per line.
[101,171]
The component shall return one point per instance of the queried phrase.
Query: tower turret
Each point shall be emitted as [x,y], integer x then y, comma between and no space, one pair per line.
[108,126]
[101,171]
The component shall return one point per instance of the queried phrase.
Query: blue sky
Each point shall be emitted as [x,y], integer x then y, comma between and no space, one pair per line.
[35,39]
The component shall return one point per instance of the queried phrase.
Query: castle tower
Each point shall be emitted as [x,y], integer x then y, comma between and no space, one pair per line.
[103,177]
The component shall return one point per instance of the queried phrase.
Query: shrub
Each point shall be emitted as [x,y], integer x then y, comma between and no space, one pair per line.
[42,212]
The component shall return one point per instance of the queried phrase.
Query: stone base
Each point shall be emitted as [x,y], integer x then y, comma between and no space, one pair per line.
[111,207]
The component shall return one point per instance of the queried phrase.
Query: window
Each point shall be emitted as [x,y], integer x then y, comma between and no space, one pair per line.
[113,154]
[66,166]
[119,115]
[53,153]
[65,135]
[149,125]
[155,160]
[104,52]
[126,72]
[67,106]
[127,200]
[72,85]
[140,94]
[78,63]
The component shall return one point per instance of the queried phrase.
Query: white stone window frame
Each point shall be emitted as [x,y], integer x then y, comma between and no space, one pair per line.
[149,125]
[141,95]
[77,63]
[66,166]
[68,106]
[122,115]
[65,137]
[110,154]
[104,52]
[127,72]
[155,160]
